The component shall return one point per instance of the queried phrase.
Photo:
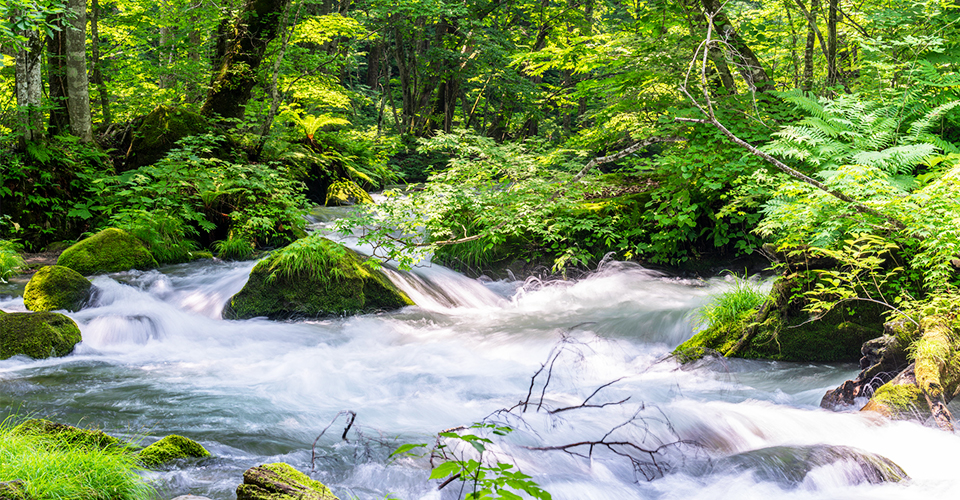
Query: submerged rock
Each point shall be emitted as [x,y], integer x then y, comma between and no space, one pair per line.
[314,277]
[57,287]
[108,251]
[791,466]
[280,481]
[781,330]
[171,448]
[37,334]
[346,192]
[67,434]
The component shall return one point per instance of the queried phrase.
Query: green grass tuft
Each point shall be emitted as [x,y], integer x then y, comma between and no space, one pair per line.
[729,307]
[52,468]
[314,256]
[234,248]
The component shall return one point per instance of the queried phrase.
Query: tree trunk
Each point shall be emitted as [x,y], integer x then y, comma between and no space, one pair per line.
[276,97]
[832,76]
[78,89]
[28,83]
[97,74]
[747,62]
[809,46]
[235,75]
[57,76]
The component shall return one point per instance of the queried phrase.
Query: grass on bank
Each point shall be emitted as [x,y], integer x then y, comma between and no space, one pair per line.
[50,468]
[729,306]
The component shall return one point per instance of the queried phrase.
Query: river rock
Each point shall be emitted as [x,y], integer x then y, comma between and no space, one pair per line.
[37,334]
[883,358]
[67,434]
[346,192]
[280,481]
[781,330]
[171,448]
[57,287]
[108,251]
[314,277]
[790,466]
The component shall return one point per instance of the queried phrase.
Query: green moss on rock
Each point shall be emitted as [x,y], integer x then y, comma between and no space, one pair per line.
[108,251]
[780,330]
[67,435]
[57,287]
[346,192]
[898,401]
[171,448]
[280,481]
[159,132]
[38,335]
[314,277]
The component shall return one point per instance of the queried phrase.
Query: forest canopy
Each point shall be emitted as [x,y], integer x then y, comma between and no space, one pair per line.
[552,131]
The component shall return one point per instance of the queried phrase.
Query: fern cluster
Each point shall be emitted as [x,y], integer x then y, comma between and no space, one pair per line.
[881,154]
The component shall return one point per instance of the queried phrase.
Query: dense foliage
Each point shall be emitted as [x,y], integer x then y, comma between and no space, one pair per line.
[552,132]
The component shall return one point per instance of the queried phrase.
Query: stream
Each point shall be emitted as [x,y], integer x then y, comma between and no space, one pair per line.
[156,359]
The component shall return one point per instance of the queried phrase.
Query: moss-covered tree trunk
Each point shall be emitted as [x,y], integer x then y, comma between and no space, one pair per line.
[234,74]
[926,386]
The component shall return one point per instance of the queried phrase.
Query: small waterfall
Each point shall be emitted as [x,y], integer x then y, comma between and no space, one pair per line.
[437,288]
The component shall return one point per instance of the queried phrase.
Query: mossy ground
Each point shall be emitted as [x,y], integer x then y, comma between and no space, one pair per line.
[68,435]
[38,335]
[171,448]
[110,250]
[314,277]
[56,287]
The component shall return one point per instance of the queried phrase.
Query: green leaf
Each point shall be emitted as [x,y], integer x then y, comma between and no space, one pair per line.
[445,469]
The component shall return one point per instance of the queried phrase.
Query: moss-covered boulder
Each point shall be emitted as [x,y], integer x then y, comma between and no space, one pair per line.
[171,448]
[314,277]
[68,435]
[159,131]
[57,287]
[108,251]
[38,335]
[281,482]
[781,330]
[346,192]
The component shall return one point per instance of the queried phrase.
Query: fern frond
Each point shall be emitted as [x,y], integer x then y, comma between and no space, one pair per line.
[924,123]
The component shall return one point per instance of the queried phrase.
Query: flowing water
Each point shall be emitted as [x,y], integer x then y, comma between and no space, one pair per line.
[156,359]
